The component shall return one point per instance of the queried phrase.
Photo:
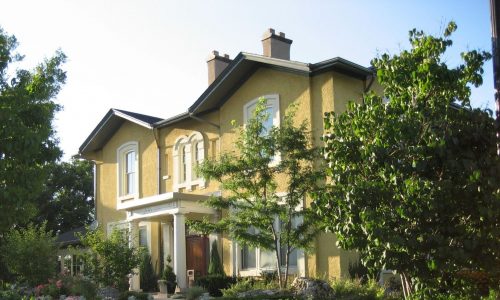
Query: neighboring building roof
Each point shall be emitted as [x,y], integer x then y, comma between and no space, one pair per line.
[113,119]
[233,76]
[70,237]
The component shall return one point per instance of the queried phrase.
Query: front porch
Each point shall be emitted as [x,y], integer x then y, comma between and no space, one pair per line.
[170,211]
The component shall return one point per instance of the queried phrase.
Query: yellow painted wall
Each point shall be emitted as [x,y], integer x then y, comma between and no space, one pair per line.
[168,137]
[107,170]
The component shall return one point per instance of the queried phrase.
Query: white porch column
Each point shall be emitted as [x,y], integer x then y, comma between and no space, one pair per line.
[180,250]
[133,241]
[167,241]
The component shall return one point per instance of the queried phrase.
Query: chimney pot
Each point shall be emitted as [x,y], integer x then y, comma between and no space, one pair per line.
[276,45]
[216,63]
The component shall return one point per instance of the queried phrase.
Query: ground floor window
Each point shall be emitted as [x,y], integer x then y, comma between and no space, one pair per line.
[258,259]
[71,264]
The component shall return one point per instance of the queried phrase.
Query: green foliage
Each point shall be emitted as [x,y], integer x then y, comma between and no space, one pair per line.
[30,253]
[215,265]
[250,176]
[215,283]
[110,260]
[355,290]
[358,271]
[194,293]
[147,274]
[27,139]
[414,183]
[248,284]
[67,201]
[138,295]
[169,276]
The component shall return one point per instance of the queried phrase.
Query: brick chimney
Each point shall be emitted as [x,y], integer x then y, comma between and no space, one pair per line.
[276,45]
[216,64]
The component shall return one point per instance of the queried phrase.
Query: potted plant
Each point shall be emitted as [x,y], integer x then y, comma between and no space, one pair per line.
[167,283]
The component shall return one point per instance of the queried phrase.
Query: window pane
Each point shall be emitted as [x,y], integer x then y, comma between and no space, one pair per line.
[248,258]
[268,123]
[184,164]
[130,162]
[130,184]
[143,236]
[292,258]
[267,259]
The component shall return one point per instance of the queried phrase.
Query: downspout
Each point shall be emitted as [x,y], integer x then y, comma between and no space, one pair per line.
[367,87]
[158,157]
[94,187]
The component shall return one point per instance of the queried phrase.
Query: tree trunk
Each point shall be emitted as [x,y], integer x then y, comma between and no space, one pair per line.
[276,251]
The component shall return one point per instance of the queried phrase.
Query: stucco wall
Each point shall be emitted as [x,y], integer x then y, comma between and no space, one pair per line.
[108,173]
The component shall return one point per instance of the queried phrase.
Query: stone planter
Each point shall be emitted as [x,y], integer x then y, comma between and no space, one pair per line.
[162,286]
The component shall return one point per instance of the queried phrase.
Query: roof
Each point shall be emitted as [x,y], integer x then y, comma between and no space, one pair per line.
[113,119]
[243,66]
[70,237]
[233,76]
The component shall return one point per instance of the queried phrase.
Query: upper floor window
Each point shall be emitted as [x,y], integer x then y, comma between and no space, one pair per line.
[272,110]
[189,153]
[128,177]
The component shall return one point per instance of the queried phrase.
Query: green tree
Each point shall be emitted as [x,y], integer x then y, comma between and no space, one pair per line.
[30,254]
[215,264]
[27,139]
[414,182]
[265,161]
[110,260]
[67,201]
[147,274]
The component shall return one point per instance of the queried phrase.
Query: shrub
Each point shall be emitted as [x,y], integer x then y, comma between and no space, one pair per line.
[169,276]
[194,293]
[138,295]
[358,271]
[10,295]
[215,283]
[248,284]
[215,265]
[110,260]
[354,289]
[147,274]
[30,253]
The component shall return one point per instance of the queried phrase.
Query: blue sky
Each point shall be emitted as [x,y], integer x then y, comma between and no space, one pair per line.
[149,56]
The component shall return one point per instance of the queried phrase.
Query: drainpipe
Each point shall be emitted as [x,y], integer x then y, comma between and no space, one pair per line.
[156,135]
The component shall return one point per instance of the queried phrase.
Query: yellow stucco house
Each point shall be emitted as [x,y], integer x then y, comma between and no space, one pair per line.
[144,166]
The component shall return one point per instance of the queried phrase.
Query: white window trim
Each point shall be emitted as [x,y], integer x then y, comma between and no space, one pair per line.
[188,143]
[273,100]
[120,157]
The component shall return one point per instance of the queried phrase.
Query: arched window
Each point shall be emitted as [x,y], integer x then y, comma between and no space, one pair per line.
[272,110]
[189,152]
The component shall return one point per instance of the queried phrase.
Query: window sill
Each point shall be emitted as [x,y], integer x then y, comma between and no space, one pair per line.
[127,198]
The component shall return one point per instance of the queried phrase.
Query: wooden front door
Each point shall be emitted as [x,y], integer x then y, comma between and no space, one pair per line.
[196,254]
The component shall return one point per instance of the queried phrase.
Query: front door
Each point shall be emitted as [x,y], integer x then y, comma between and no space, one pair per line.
[196,254]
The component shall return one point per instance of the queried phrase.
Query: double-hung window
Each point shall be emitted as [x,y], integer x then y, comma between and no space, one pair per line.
[128,167]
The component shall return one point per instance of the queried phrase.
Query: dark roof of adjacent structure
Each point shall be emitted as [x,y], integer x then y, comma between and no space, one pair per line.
[70,237]
[113,119]
[233,76]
